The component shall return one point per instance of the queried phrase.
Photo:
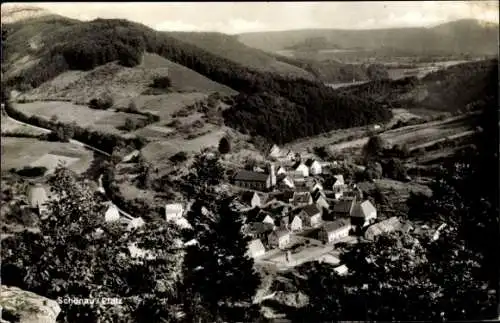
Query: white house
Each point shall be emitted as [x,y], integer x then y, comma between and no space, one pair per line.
[301,168]
[364,213]
[341,270]
[281,170]
[135,224]
[112,214]
[295,223]
[279,238]
[256,248]
[37,198]
[338,186]
[333,231]
[173,211]
[274,151]
[314,167]
[251,198]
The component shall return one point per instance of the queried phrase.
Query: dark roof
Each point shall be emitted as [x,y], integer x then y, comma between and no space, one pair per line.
[259,228]
[309,162]
[297,164]
[335,225]
[301,197]
[317,194]
[311,209]
[246,175]
[247,196]
[343,206]
[280,233]
[261,216]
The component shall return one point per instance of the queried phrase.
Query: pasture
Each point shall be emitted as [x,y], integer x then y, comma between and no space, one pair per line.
[67,112]
[25,152]
[10,126]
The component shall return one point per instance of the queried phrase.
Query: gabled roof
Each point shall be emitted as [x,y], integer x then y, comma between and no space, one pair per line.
[311,210]
[317,194]
[286,196]
[363,209]
[255,246]
[246,175]
[261,216]
[338,180]
[343,206]
[297,164]
[292,216]
[247,196]
[259,228]
[335,225]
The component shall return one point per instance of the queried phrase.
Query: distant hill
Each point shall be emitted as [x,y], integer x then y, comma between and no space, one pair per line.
[458,37]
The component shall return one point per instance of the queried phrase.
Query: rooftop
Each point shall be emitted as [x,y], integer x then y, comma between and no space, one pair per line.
[311,209]
[335,225]
[343,206]
[246,175]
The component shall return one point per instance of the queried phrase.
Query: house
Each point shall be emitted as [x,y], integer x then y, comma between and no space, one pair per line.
[311,215]
[274,151]
[279,238]
[37,198]
[314,166]
[284,181]
[302,199]
[341,270]
[173,211]
[332,232]
[112,214]
[295,223]
[263,217]
[256,248]
[301,168]
[254,180]
[251,199]
[364,214]
[389,225]
[343,208]
[319,198]
[338,186]
[135,223]
[258,230]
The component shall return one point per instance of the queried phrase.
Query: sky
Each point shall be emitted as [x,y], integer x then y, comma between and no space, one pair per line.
[239,17]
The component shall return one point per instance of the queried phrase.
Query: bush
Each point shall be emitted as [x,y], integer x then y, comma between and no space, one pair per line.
[103,103]
[224,145]
[161,82]
[28,171]
[179,157]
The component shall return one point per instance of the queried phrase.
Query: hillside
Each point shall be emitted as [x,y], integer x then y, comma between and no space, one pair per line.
[449,90]
[454,38]
[229,47]
[87,46]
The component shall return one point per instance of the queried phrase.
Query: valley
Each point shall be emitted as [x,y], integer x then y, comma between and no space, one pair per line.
[320,171]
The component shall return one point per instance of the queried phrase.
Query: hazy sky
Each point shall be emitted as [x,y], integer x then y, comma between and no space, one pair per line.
[237,17]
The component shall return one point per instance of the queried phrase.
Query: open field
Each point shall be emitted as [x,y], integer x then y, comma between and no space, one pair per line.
[10,126]
[24,152]
[414,136]
[67,112]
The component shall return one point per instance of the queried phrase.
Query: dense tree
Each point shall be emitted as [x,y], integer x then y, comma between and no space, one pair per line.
[76,254]
[215,266]
[224,145]
[374,147]
[161,82]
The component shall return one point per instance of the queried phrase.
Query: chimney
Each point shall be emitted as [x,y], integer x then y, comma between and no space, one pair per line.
[272,173]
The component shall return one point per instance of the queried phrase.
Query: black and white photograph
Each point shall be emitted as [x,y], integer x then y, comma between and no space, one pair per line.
[234,162]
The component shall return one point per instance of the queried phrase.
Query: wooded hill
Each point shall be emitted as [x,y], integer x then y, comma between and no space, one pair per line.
[73,45]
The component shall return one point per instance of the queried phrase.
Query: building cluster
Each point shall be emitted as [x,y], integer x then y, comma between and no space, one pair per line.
[290,195]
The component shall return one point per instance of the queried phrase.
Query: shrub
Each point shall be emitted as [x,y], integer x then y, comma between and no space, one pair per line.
[224,145]
[179,157]
[32,171]
[161,82]
[103,103]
